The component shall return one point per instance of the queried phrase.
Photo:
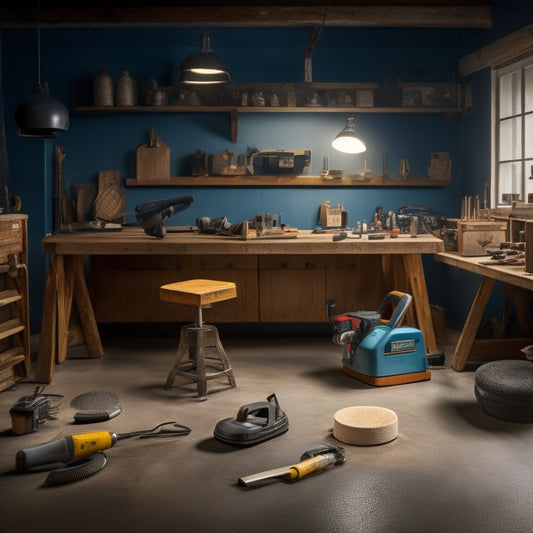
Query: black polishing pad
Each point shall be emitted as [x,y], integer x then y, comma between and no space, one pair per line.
[96,406]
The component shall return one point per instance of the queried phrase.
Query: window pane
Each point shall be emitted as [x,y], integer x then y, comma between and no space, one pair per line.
[510,94]
[510,139]
[529,88]
[528,148]
[529,181]
[509,183]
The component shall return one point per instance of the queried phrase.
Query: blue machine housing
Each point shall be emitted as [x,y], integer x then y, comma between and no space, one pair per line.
[389,352]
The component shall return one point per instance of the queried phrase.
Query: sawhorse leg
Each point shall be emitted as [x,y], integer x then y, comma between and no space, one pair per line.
[468,335]
[65,284]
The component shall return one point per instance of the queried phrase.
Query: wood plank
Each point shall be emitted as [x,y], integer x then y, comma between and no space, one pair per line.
[512,274]
[510,48]
[289,181]
[239,14]
[133,241]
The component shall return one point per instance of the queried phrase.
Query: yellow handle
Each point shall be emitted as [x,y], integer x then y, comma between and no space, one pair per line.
[309,466]
[85,444]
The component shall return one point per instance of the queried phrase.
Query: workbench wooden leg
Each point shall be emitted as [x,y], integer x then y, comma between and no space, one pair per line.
[418,290]
[472,323]
[46,352]
[85,309]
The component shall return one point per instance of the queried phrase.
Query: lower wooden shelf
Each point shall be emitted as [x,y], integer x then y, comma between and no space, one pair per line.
[287,181]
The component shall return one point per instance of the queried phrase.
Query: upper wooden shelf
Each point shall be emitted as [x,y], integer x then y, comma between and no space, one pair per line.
[235,110]
[288,181]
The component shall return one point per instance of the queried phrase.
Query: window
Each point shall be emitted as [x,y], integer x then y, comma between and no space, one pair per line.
[513,133]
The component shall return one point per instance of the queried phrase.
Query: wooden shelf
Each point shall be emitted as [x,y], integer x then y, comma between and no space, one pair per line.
[287,181]
[11,327]
[234,111]
[9,296]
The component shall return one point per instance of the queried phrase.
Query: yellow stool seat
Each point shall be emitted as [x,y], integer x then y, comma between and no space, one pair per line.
[199,348]
[198,292]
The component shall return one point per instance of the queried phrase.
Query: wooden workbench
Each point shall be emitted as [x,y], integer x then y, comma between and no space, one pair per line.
[399,264]
[470,348]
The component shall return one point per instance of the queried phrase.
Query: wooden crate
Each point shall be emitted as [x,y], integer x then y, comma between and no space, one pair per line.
[475,237]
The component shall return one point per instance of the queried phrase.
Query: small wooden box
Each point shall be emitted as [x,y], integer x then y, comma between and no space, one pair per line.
[475,237]
[332,217]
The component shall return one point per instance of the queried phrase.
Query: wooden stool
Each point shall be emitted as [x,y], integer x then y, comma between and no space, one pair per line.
[199,345]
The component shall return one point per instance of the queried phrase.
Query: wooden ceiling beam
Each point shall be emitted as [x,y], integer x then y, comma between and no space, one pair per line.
[505,50]
[374,16]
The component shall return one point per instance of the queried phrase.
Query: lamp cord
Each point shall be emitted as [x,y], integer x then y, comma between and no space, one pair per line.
[39,42]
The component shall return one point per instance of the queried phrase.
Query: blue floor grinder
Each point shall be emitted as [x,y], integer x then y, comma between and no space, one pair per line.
[376,350]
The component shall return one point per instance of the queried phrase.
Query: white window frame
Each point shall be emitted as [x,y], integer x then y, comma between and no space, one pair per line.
[520,166]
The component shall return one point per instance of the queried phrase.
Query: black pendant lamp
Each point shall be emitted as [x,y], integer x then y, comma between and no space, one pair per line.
[41,115]
[203,67]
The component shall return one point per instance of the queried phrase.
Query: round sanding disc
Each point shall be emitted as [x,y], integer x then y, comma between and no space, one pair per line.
[365,425]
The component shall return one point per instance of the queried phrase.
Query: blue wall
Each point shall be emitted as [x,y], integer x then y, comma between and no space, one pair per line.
[71,58]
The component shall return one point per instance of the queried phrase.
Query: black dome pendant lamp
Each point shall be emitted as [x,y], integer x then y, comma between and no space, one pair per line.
[41,115]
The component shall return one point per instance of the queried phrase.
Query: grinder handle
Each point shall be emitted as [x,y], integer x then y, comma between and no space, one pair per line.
[65,450]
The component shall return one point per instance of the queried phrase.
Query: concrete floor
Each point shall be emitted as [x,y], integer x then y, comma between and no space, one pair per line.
[453,467]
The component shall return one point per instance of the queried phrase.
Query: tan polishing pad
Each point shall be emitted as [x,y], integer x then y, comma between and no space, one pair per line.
[365,425]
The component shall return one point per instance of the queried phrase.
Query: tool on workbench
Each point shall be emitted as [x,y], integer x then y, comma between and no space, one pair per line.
[147,214]
[82,445]
[312,461]
[376,350]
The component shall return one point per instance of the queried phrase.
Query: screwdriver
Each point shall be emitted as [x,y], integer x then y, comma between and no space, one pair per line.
[314,460]
[82,445]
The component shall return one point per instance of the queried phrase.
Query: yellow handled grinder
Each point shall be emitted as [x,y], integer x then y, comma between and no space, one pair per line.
[82,445]
[313,460]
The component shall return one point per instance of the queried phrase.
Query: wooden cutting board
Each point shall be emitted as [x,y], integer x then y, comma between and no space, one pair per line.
[153,160]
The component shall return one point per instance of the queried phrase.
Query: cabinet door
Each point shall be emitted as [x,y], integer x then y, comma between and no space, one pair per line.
[126,288]
[242,270]
[355,282]
[292,288]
